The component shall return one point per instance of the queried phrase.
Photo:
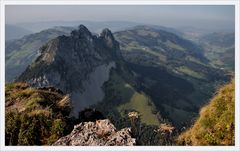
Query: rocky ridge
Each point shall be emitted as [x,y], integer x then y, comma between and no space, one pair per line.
[99,133]
[76,64]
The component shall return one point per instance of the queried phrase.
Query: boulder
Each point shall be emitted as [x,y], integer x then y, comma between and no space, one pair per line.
[99,133]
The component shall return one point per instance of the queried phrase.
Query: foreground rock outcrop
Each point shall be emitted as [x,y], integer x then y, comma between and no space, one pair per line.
[99,133]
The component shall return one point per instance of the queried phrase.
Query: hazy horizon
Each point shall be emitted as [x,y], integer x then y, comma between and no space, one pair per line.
[212,17]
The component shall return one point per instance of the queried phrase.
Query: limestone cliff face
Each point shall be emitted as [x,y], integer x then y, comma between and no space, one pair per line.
[78,64]
[99,133]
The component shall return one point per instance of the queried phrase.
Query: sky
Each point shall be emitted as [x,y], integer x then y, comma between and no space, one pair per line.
[199,16]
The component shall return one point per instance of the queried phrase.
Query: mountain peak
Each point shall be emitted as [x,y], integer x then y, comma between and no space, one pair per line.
[108,37]
[82,28]
[82,56]
[107,33]
[82,31]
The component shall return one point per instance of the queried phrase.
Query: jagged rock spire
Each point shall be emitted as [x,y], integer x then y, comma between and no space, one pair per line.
[107,34]
[82,31]
[67,62]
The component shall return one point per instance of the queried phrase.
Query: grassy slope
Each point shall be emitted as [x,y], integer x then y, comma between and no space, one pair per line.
[141,103]
[215,126]
[35,116]
[133,100]
[139,41]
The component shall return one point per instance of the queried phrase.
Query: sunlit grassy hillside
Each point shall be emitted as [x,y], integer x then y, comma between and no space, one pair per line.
[215,125]
[35,116]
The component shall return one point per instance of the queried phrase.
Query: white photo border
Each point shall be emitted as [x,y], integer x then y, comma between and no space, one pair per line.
[5,3]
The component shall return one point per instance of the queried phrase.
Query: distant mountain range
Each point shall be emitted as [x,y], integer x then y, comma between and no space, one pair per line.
[21,52]
[93,26]
[15,32]
[219,49]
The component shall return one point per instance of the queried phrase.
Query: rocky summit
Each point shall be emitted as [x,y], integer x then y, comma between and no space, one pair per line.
[99,133]
[76,64]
